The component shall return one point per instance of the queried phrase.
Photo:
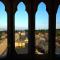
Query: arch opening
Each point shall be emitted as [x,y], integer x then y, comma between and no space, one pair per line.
[41,29]
[57,50]
[3,30]
[21,29]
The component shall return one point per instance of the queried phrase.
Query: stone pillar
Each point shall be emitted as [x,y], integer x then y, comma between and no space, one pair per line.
[31,28]
[51,9]
[10,28]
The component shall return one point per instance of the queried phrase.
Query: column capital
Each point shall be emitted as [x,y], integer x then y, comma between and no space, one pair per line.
[51,7]
[10,6]
[30,6]
[58,2]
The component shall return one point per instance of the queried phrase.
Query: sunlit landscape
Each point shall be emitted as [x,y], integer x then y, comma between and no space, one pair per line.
[3,43]
[57,41]
[21,42]
[41,40]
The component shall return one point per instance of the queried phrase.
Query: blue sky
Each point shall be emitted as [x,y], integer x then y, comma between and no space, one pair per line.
[21,17]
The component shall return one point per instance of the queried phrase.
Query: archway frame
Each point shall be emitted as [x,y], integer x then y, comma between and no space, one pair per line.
[31,8]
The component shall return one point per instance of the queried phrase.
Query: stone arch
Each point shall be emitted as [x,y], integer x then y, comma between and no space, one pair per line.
[21,23]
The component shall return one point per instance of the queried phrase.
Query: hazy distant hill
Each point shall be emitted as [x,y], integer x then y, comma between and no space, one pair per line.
[40,30]
[3,29]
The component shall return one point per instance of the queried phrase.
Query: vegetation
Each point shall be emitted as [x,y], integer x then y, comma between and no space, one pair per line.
[58,32]
[0,35]
[41,31]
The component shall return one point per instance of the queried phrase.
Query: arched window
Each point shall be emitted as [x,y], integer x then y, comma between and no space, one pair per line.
[21,29]
[41,29]
[58,31]
[3,30]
